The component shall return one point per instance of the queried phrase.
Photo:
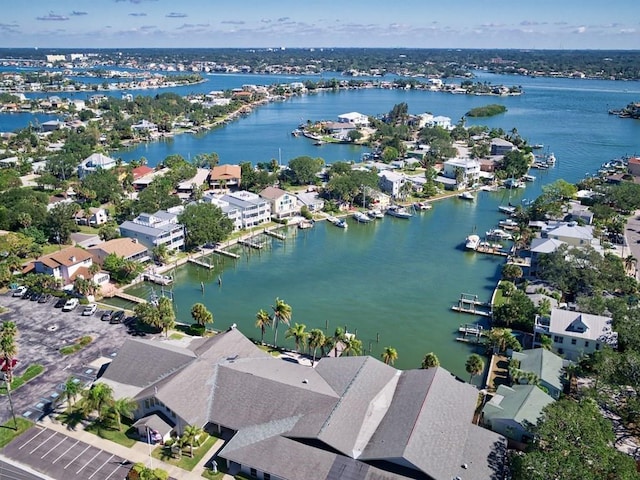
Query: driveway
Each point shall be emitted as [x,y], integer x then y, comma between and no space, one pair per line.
[43,330]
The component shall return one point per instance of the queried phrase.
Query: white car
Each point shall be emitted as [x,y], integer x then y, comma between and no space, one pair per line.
[70,305]
[20,291]
[89,310]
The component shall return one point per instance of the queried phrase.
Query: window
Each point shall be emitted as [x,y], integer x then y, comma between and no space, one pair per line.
[586,344]
[254,473]
[267,476]
[558,339]
[573,341]
[597,346]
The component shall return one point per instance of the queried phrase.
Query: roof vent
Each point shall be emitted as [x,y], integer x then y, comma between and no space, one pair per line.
[72,258]
[305,381]
[465,466]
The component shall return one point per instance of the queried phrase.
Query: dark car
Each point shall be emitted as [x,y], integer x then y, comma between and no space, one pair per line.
[117,317]
[35,296]
[27,294]
[107,315]
[44,298]
[60,303]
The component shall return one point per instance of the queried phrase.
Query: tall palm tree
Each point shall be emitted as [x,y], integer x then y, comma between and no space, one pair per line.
[263,320]
[281,313]
[474,365]
[430,360]
[123,407]
[71,390]
[629,263]
[352,346]
[389,356]
[190,436]
[8,347]
[338,337]
[167,314]
[299,334]
[316,339]
[201,315]
[96,399]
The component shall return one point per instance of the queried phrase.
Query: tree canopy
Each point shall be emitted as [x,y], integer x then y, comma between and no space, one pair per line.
[204,223]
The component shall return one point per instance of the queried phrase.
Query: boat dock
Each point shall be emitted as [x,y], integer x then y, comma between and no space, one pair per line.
[249,243]
[491,250]
[219,251]
[158,279]
[469,303]
[201,263]
[275,234]
[126,296]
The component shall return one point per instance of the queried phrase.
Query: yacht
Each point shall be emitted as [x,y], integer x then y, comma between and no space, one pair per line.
[362,217]
[398,212]
[508,224]
[472,242]
[466,196]
[508,209]
[375,213]
[513,183]
[422,206]
[498,234]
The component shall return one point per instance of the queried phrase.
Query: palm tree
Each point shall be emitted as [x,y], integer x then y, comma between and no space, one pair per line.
[263,320]
[629,263]
[160,253]
[201,315]
[8,348]
[474,365]
[389,356]
[316,339]
[190,436]
[123,407]
[430,360]
[338,337]
[299,334]
[97,398]
[71,390]
[352,346]
[546,342]
[166,314]
[281,313]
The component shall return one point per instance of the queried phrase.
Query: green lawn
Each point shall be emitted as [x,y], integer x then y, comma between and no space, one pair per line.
[30,373]
[127,436]
[185,461]
[499,299]
[274,352]
[79,345]
[7,432]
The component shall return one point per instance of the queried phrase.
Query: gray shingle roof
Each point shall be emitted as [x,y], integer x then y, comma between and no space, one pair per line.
[522,403]
[545,364]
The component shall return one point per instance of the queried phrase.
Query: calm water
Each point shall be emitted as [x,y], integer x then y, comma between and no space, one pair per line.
[395,278]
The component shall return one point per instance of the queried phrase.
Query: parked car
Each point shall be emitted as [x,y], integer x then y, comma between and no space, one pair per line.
[35,296]
[89,310]
[44,298]
[20,291]
[60,303]
[106,316]
[117,317]
[27,294]
[71,304]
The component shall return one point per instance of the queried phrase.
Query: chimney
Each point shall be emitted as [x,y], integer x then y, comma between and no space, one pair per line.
[72,258]
[134,240]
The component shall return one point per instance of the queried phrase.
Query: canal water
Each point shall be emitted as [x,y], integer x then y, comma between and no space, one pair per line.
[393,280]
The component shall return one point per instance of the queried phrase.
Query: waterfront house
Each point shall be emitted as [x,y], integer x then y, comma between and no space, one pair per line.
[311,200]
[579,213]
[512,411]
[464,171]
[546,365]
[67,265]
[95,162]
[141,171]
[144,180]
[542,246]
[391,182]
[144,126]
[185,188]
[500,146]
[355,118]
[575,334]
[634,166]
[152,230]
[283,203]
[94,216]
[349,417]
[225,177]
[571,233]
[126,248]
[51,126]
[244,209]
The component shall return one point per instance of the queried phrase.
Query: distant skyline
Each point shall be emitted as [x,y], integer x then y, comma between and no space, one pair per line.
[521,24]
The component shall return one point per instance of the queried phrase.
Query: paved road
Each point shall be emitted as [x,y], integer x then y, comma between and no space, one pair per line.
[10,470]
[43,330]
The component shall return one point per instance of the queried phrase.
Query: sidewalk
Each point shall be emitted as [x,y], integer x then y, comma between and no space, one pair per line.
[140,452]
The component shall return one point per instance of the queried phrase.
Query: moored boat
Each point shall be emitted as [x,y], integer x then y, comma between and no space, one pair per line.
[498,234]
[361,217]
[513,183]
[508,224]
[398,212]
[422,206]
[466,196]
[472,242]
[375,213]
[508,209]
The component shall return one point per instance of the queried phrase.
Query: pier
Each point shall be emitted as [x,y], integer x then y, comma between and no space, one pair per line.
[202,263]
[274,234]
[219,251]
[249,243]
[469,303]
[128,297]
[471,333]
[488,249]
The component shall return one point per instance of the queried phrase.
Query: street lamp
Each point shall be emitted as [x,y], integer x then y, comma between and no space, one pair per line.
[8,384]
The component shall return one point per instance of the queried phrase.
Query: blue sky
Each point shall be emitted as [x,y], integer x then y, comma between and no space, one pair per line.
[530,24]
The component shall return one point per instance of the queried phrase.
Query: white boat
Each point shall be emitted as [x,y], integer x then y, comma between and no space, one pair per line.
[376,213]
[422,206]
[472,242]
[466,196]
[550,159]
[513,183]
[398,212]
[498,234]
[508,224]
[537,146]
[304,224]
[508,209]
[471,329]
[341,224]
[529,178]
[361,217]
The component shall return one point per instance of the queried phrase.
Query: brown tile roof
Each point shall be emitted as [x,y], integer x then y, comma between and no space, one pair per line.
[122,247]
[81,272]
[272,193]
[141,171]
[68,257]
[225,172]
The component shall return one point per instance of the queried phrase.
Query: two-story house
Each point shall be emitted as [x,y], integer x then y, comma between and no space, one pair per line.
[283,203]
[244,209]
[391,182]
[67,265]
[465,171]
[127,248]
[95,162]
[152,230]
[94,216]
[500,146]
[225,177]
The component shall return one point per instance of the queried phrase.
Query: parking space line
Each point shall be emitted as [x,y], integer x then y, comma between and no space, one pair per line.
[32,438]
[82,452]
[117,469]
[66,451]
[54,447]
[54,434]
[92,459]
[107,461]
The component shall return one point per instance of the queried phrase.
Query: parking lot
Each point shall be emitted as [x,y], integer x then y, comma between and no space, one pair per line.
[60,456]
[43,331]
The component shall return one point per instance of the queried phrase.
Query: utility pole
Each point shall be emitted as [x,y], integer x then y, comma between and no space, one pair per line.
[13,413]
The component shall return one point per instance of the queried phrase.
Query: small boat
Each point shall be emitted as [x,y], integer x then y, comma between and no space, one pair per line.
[375,213]
[550,159]
[498,234]
[513,183]
[472,242]
[529,178]
[296,133]
[466,196]
[303,225]
[422,206]
[508,209]
[319,143]
[362,217]
[537,146]
[398,212]
[341,224]
[508,224]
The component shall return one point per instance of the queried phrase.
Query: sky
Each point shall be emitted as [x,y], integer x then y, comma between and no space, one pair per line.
[521,24]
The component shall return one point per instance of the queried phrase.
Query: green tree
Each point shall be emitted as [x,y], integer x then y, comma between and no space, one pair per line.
[71,390]
[263,320]
[298,333]
[519,312]
[204,223]
[148,314]
[511,271]
[474,365]
[201,315]
[8,347]
[499,340]
[303,170]
[123,407]
[315,340]
[166,314]
[160,253]
[389,355]
[108,231]
[190,436]
[281,313]
[59,223]
[97,399]
[352,345]
[430,360]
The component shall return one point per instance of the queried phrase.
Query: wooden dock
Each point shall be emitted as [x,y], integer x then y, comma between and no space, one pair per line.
[201,263]
[469,303]
[472,311]
[128,297]
[274,234]
[219,251]
[158,279]
[491,251]
[249,243]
